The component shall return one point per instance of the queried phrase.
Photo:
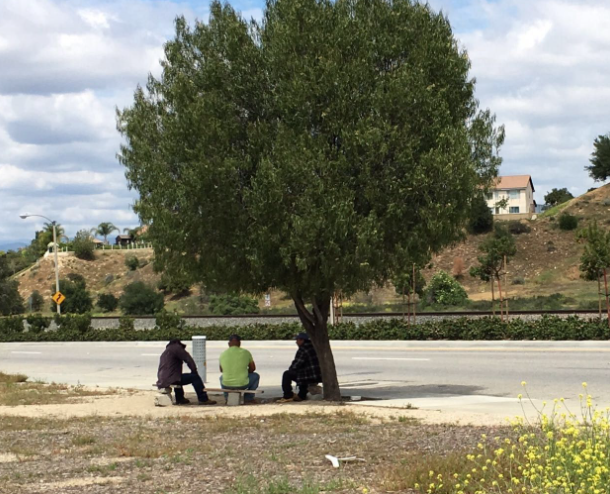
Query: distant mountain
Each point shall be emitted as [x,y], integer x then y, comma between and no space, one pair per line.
[12,245]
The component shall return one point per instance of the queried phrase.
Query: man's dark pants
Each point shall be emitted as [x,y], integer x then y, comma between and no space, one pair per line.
[287,379]
[197,383]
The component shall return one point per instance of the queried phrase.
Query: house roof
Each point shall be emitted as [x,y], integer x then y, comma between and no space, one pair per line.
[123,237]
[513,182]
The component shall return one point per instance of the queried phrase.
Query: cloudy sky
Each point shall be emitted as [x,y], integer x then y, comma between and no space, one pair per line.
[65,65]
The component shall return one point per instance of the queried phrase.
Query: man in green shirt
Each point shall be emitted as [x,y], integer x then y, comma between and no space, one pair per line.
[237,367]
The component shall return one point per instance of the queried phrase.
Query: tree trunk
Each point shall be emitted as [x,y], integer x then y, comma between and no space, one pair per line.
[493,297]
[599,295]
[500,295]
[607,295]
[316,324]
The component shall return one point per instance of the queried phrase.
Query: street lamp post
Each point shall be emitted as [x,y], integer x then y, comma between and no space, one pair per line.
[23,217]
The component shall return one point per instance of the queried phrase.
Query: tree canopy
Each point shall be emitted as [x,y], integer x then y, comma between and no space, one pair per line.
[599,169]
[311,152]
[10,300]
[558,196]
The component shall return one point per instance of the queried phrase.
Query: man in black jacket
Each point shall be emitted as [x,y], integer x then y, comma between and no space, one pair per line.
[170,373]
[304,370]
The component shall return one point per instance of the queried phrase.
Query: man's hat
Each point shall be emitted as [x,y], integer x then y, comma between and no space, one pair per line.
[235,337]
[302,336]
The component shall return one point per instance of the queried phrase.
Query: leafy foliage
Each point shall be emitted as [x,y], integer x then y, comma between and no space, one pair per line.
[78,328]
[83,246]
[233,304]
[568,222]
[517,227]
[403,282]
[596,254]
[444,289]
[132,262]
[107,302]
[139,299]
[481,219]
[78,299]
[177,283]
[10,300]
[501,244]
[557,196]
[37,302]
[600,159]
[309,152]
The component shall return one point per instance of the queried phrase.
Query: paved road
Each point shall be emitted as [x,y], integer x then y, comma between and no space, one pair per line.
[456,375]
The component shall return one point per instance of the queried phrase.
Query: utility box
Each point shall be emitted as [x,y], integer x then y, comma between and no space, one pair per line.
[199,355]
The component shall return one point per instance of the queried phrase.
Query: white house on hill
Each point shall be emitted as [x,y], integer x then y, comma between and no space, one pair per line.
[518,190]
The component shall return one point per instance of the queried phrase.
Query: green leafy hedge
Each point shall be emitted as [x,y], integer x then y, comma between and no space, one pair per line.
[78,328]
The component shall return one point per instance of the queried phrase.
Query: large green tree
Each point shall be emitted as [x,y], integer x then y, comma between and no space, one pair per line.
[599,169]
[311,151]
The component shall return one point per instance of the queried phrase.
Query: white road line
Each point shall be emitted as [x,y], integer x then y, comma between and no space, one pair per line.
[392,358]
[28,353]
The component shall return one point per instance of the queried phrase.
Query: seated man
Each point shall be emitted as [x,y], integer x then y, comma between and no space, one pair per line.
[170,373]
[237,367]
[304,370]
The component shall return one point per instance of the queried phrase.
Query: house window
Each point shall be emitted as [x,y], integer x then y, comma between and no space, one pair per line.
[497,210]
[513,210]
[514,194]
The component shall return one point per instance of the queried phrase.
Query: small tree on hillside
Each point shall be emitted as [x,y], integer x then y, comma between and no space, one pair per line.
[78,299]
[498,249]
[600,159]
[557,196]
[595,260]
[444,289]
[83,246]
[409,282]
[481,219]
[36,301]
[140,299]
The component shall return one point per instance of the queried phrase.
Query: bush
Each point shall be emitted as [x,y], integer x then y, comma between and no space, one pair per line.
[568,222]
[83,246]
[174,284]
[480,219]
[132,262]
[139,299]
[36,300]
[445,290]
[169,321]
[37,323]
[516,227]
[224,305]
[78,328]
[107,302]
[78,299]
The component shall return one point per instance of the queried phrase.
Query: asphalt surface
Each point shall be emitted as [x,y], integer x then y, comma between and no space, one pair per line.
[475,376]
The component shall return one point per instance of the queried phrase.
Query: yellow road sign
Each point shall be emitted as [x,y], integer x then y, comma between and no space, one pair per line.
[59,298]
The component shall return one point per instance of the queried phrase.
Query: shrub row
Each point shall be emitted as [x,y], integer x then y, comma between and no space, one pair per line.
[78,328]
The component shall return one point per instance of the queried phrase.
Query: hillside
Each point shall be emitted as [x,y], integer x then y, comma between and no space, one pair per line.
[547,259]
[546,262]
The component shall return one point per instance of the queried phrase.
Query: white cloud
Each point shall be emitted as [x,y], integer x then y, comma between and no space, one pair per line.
[541,66]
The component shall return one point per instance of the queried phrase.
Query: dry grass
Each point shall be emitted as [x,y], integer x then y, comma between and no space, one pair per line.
[15,390]
[280,454]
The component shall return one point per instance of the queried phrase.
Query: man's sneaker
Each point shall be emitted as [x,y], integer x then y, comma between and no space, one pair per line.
[286,400]
[183,401]
[207,402]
